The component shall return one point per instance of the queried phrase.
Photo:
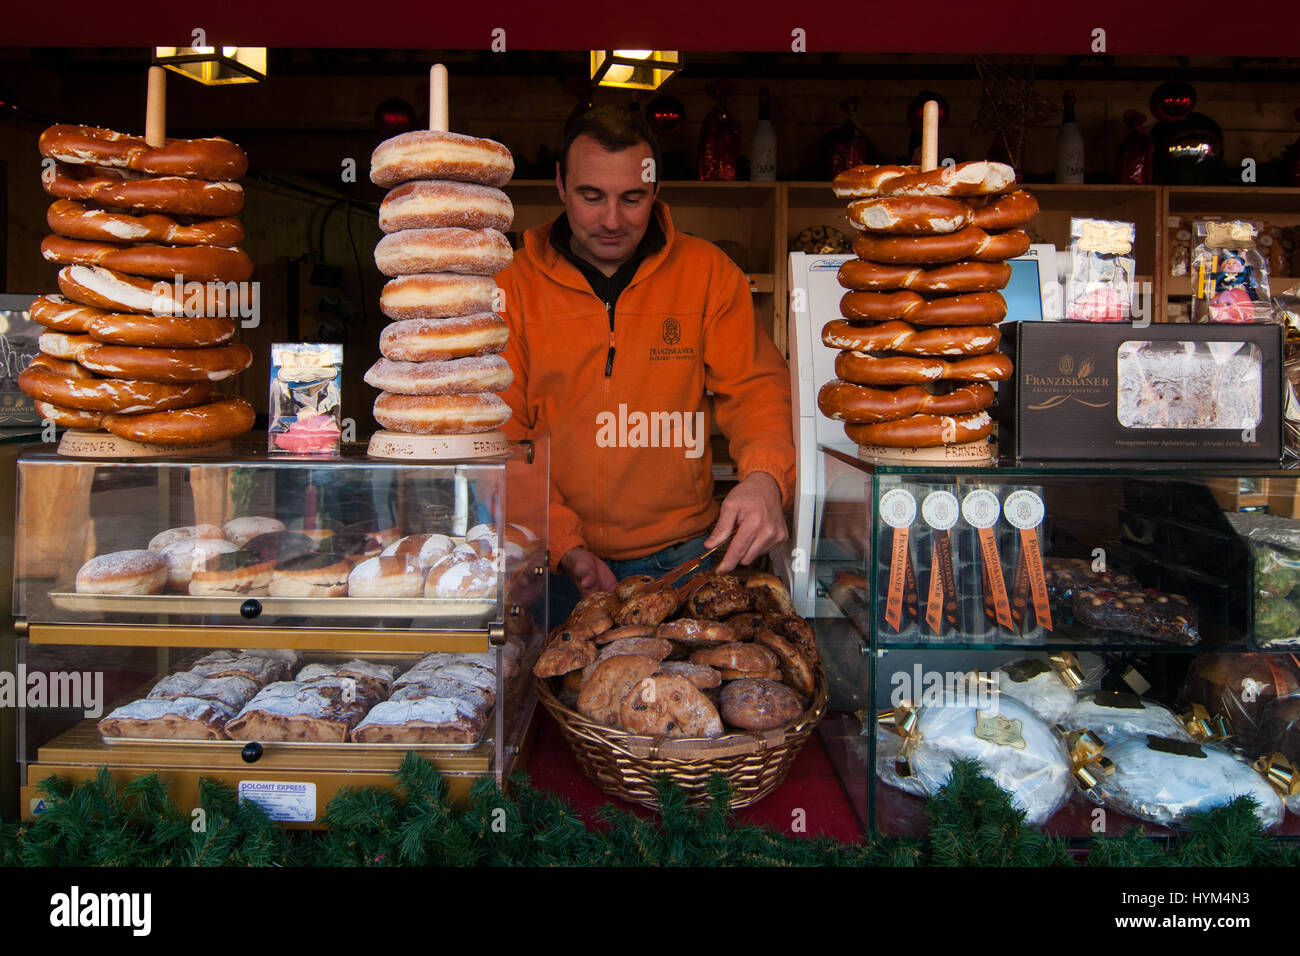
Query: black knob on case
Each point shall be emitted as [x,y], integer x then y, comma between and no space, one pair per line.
[252,752]
[251,608]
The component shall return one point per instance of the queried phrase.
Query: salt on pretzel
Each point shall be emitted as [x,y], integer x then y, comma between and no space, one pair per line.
[215,421]
[107,394]
[847,402]
[211,158]
[176,195]
[1009,211]
[78,221]
[910,215]
[901,337]
[971,308]
[977,178]
[924,431]
[863,181]
[863,276]
[863,369]
[968,243]
[199,263]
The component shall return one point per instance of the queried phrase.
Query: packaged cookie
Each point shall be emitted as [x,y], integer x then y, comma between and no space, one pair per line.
[306,379]
[1099,285]
[1162,781]
[1015,748]
[1229,274]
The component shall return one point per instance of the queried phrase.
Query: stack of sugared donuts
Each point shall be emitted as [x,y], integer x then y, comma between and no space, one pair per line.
[444,240]
[152,284]
[919,334]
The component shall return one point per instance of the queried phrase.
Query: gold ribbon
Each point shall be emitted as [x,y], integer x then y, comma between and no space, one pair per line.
[902,721]
[1087,760]
[1067,666]
[1277,770]
[1204,728]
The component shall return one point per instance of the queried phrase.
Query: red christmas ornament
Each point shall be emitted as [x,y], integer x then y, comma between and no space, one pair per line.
[665,114]
[1173,101]
[394,116]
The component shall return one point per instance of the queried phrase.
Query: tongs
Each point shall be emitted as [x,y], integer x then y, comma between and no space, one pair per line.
[687,568]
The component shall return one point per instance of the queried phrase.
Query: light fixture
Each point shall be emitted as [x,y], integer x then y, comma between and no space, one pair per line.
[213,67]
[634,69]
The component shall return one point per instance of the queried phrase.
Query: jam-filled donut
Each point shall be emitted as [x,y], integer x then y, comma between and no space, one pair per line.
[430,154]
[433,204]
[487,373]
[437,295]
[478,252]
[436,340]
[441,414]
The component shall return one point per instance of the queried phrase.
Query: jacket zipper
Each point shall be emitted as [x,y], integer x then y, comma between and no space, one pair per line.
[609,356]
[600,459]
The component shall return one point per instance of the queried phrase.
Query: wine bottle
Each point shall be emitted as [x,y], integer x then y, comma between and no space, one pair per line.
[762,148]
[1069,146]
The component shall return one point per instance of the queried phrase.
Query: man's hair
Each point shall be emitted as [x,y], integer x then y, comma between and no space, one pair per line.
[615,128]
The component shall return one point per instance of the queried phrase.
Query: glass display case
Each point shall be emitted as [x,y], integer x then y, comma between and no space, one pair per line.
[301,610]
[1137,597]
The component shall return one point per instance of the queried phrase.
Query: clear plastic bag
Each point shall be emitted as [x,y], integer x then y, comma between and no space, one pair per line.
[1236,689]
[1017,750]
[1036,684]
[1099,287]
[1111,715]
[1229,275]
[1162,781]
[305,398]
[1275,557]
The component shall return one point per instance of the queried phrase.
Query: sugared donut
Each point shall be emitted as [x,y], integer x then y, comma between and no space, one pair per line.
[77,221]
[216,421]
[165,539]
[172,366]
[427,549]
[475,252]
[433,204]
[436,340]
[243,530]
[461,577]
[485,373]
[123,572]
[437,295]
[483,539]
[185,557]
[441,414]
[395,576]
[430,154]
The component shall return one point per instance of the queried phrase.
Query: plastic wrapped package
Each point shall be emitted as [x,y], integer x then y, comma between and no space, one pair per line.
[1279,733]
[1099,287]
[1048,687]
[1275,558]
[897,530]
[1017,750]
[1236,688]
[1162,781]
[1229,275]
[1110,715]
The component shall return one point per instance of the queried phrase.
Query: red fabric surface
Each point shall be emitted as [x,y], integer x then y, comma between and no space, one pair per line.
[812,787]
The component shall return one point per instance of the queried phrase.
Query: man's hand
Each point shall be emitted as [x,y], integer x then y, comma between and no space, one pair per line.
[753,511]
[588,572]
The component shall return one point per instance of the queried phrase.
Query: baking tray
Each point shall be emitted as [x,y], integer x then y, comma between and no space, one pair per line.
[220,606]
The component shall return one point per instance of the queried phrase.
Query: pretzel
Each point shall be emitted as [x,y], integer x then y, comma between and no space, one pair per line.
[969,243]
[199,263]
[846,402]
[107,394]
[116,292]
[68,417]
[910,215]
[1010,211]
[900,337]
[867,180]
[171,366]
[60,367]
[159,331]
[77,221]
[972,308]
[171,194]
[863,369]
[63,345]
[211,158]
[858,274]
[977,178]
[216,421]
[923,431]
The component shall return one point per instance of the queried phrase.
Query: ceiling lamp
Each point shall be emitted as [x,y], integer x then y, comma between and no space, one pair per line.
[214,66]
[634,69]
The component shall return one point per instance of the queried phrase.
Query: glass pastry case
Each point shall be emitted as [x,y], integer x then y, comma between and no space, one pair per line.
[1116,646]
[287,624]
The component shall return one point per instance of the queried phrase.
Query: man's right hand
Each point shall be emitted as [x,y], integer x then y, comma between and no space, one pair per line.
[588,572]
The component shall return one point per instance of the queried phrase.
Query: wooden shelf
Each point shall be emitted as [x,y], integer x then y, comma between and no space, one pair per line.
[1180,287]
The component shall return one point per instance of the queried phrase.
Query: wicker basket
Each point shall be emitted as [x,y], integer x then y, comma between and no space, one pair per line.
[625,765]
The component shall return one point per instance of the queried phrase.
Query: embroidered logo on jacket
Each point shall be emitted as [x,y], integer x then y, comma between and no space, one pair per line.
[672,331]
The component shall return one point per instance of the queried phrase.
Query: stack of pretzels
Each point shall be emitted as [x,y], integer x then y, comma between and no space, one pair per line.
[919,336]
[152,277]
[444,219]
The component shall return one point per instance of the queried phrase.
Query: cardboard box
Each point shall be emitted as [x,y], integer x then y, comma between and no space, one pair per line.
[1092,391]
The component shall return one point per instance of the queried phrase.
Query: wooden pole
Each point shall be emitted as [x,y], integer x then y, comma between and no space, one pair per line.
[930,136]
[438,112]
[155,112]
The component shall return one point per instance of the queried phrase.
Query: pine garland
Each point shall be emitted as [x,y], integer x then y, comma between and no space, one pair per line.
[972,823]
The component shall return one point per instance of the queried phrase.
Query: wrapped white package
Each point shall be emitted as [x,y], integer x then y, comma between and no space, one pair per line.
[1161,780]
[1110,715]
[1017,750]
[1037,685]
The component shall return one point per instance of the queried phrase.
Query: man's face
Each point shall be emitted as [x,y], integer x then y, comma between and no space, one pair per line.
[608,200]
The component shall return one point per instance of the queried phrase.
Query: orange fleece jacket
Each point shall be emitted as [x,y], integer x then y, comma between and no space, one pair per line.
[631,468]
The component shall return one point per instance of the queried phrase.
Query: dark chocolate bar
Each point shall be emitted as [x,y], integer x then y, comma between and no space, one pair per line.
[1143,613]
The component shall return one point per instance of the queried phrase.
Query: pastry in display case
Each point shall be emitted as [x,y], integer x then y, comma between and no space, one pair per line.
[258,618]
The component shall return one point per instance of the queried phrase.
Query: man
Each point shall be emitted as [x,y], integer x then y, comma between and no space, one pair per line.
[618,325]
